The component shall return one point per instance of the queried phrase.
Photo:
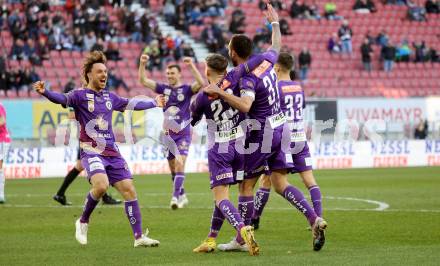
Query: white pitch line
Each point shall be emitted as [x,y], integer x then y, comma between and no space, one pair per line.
[382,205]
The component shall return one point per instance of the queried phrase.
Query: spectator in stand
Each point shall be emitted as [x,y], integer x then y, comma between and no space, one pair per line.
[188,51]
[420,52]
[89,41]
[345,34]
[277,4]
[382,38]
[304,60]
[415,12]
[112,52]
[169,11]
[395,2]
[330,11]
[153,51]
[70,85]
[78,40]
[333,44]
[313,11]
[403,52]
[43,49]
[236,25]
[32,53]
[114,82]
[32,20]
[98,46]
[370,37]
[4,81]
[364,7]
[296,10]
[213,37]
[3,13]
[432,6]
[18,50]
[195,15]
[388,54]
[366,52]
[421,131]
[284,27]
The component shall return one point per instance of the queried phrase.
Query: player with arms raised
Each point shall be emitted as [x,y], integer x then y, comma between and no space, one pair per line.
[225,128]
[100,156]
[261,101]
[177,131]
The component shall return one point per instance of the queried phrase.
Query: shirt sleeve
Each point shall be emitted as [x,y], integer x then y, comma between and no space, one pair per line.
[197,108]
[271,56]
[160,88]
[247,87]
[119,103]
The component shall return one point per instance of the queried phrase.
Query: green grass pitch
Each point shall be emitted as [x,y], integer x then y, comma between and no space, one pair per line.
[36,230]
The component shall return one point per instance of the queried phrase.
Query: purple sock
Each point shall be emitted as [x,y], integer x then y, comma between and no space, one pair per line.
[315,195]
[296,198]
[231,214]
[260,200]
[178,183]
[134,217]
[216,222]
[246,208]
[182,191]
[89,206]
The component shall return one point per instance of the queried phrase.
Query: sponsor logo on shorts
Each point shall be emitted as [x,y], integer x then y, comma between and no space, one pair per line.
[224,176]
[95,163]
[308,161]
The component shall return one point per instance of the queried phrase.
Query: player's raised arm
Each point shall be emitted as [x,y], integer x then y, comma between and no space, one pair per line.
[52,96]
[137,103]
[143,79]
[272,17]
[242,104]
[197,85]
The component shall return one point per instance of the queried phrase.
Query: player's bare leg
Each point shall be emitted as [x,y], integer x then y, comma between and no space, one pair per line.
[128,193]
[297,199]
[260,200]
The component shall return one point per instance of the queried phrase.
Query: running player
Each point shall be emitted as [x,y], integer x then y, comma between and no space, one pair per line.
[260,100]
[225,128]
[177,131]
[5,142]
[72,175]
[99,154]
[292,104]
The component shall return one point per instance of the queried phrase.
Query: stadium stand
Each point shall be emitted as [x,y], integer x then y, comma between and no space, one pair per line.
[330,75]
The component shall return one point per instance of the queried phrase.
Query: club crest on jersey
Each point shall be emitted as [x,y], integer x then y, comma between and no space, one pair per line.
[108,104]
[91,106]
[173,110]
[180,97]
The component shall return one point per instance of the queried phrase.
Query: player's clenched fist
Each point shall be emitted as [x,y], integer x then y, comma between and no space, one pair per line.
[160,101]
[187,60]
[144,59]
[39,87]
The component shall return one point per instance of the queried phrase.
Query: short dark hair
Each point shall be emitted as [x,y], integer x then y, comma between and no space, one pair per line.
[242,45]
[175,66]
[217,62]
[286,61]
[91,59]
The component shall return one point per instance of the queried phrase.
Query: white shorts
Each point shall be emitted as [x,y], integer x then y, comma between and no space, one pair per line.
[4,147]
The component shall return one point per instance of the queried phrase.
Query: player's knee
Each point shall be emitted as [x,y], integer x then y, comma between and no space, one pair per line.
[100,188]
[265,182]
